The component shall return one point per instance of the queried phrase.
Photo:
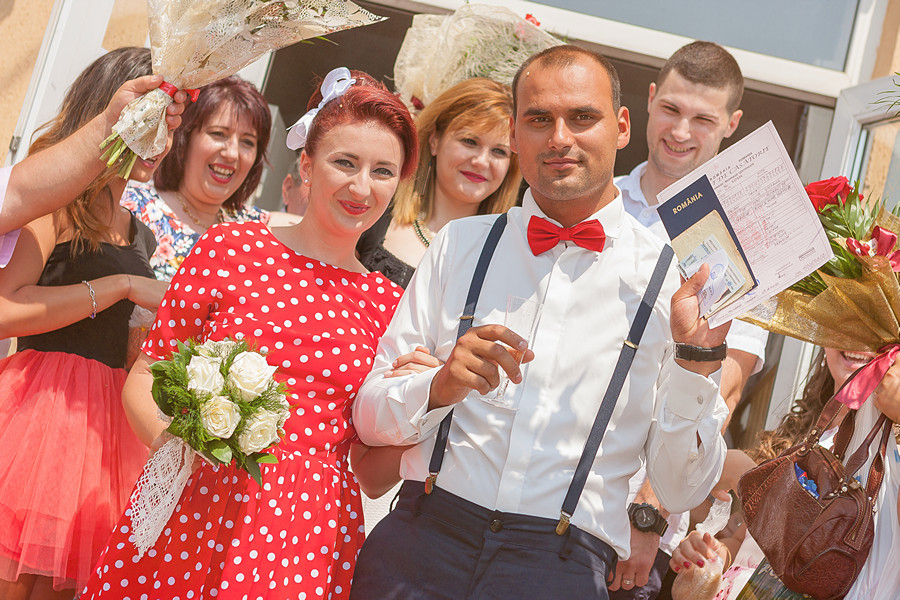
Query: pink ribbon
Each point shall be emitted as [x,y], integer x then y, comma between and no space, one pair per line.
[858,389]
[884,240]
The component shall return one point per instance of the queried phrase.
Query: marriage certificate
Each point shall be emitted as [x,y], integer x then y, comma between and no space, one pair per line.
[773,219]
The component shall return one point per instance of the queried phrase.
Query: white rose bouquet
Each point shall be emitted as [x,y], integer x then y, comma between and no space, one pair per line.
[224,405]
[196,42]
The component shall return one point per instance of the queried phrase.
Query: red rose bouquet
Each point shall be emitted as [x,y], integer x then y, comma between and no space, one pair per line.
[853,301]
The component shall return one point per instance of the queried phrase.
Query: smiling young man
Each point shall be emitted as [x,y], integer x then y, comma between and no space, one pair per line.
[692,106]
[488,523]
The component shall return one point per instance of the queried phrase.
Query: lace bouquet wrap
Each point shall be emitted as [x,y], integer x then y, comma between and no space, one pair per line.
[477,40]
[223,404]
[196,42]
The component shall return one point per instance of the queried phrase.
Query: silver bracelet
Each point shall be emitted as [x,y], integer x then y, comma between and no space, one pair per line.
[93,298]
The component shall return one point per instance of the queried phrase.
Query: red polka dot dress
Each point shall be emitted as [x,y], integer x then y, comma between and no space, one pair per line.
[298,535]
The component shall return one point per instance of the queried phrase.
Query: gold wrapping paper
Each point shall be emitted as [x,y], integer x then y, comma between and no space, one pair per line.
[851,314]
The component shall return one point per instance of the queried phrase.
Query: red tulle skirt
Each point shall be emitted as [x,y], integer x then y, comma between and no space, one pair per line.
[68,461]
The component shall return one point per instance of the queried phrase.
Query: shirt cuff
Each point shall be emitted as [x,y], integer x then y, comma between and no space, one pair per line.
[425,421]
[691,394]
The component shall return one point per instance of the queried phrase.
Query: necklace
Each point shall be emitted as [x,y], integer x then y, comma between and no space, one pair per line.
[187,211]
[422,232]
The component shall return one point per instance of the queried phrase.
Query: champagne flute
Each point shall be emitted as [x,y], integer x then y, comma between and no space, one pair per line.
[522,316]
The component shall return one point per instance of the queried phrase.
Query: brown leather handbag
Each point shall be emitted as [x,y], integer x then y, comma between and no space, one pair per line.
[816,546]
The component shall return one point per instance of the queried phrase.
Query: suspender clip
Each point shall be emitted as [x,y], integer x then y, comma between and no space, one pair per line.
[563,524]
[429,482]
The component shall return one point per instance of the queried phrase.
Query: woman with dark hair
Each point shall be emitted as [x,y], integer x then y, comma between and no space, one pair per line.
[465,168]
[215,164]
[300,295]
[878,579]
[68,458]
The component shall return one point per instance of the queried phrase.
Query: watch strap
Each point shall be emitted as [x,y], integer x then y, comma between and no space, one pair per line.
[700,353]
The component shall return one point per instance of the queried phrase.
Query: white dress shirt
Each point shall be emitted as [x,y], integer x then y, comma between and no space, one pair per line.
[8,240]
[523,461]
[879,578]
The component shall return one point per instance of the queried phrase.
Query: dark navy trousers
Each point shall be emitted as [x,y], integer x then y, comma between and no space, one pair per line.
[441,547]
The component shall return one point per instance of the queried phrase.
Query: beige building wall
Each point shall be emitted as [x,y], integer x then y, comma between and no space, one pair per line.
[22,27]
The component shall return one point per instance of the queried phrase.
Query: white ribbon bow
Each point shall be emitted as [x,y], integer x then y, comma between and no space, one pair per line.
[335,85]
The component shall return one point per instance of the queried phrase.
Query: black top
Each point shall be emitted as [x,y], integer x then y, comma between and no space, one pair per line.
[105,337]
[374,256]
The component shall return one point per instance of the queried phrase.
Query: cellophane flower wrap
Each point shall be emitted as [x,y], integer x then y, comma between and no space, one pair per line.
[477,40]
[853,301]
[223,403]
[196,42]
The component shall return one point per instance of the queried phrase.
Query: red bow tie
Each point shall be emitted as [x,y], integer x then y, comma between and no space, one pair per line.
[544,235]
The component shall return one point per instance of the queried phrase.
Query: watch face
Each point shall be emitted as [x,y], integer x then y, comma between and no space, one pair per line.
[644,517]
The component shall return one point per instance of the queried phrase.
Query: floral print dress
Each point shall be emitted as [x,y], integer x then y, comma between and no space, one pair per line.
[174,238]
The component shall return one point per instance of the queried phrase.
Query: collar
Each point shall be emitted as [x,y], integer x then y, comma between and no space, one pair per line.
[611,216]
[630,185]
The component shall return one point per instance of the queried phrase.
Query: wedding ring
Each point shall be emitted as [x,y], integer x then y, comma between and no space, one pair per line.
[628,582]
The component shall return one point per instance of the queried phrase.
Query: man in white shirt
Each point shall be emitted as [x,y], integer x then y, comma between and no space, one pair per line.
[692,107]
[491,526]
[48,180]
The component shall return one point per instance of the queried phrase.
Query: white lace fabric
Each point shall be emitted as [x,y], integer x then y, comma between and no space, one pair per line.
[158,490]
[196,42]
[475,41]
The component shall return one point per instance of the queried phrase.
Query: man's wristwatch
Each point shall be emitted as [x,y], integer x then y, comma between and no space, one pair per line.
[699,353]
[645,518]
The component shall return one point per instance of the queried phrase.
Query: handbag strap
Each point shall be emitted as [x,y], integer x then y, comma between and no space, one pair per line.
[623,365]
[844,435]
[876,471]
[465,323]
[829,412]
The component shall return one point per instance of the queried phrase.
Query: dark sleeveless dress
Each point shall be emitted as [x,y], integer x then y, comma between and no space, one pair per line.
[374,256]
[68,458]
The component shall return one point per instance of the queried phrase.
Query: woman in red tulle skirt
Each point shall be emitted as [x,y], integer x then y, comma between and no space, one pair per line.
[68,458]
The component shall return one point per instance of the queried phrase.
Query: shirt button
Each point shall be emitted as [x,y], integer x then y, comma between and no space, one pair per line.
[496,525]
[699,399]
[693,456]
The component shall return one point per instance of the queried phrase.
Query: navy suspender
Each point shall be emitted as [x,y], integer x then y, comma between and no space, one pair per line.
[465,322]
[626,356]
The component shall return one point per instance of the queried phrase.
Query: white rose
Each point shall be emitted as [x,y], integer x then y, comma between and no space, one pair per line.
[250,374]
[260,433]
[204,375]
[213,349]
[220,416]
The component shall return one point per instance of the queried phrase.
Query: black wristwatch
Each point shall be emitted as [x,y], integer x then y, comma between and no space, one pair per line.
[645,518]
[699,353]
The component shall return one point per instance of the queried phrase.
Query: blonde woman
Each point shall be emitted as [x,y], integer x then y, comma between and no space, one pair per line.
[465,168]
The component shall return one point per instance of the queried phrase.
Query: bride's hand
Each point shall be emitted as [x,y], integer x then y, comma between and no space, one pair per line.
[417,361]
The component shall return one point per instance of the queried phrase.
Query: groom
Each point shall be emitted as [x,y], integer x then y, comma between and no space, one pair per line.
[488,524]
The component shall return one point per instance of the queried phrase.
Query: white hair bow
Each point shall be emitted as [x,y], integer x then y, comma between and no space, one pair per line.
[335,85]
